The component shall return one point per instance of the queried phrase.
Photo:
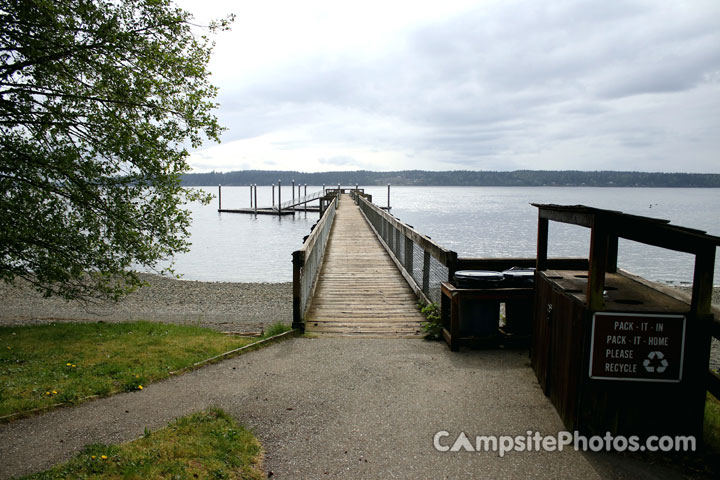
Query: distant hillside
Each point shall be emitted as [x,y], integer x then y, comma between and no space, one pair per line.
[518,178]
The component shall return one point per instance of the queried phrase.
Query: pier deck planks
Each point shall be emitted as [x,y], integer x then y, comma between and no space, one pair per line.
[360,291]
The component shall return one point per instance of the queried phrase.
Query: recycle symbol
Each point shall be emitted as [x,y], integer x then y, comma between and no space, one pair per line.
[652,356]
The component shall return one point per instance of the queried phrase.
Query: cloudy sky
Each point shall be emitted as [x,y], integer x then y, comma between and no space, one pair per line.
[317,85]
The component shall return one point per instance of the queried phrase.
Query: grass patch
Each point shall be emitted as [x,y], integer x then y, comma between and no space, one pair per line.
[67,362]
[203,445]
[711,430]
[276,329]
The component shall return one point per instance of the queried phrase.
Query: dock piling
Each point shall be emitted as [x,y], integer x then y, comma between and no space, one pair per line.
[279,197]
[255,188]
[219,197]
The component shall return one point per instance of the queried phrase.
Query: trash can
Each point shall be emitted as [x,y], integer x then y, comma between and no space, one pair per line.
[519,277]
[479,318]
[518,312]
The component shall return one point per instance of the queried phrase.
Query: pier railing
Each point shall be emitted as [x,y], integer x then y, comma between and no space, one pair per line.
[294,202]
[307,263]
[423,263]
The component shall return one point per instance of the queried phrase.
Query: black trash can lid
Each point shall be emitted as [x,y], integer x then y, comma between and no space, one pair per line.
[519,273]
[483,275]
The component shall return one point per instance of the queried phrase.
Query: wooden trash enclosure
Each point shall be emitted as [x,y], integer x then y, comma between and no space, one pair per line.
[615,352]
[517,301]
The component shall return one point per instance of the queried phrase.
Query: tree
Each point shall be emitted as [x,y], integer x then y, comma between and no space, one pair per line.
[99,100]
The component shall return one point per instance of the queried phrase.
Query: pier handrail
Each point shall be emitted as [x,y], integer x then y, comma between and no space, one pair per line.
[307,263]
[423,263]
[299,201]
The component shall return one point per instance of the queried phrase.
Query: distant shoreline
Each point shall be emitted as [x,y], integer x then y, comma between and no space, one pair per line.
[455,178]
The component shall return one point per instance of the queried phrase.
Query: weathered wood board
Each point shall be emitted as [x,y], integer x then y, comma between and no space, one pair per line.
[360,291]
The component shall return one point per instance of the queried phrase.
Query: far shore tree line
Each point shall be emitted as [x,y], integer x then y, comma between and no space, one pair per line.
[518,178]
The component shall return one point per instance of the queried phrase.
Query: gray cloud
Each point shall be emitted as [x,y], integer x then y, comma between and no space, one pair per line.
[339,161]
[557,84]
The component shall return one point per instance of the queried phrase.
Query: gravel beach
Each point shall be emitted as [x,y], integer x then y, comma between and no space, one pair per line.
[223,306]
[229,307]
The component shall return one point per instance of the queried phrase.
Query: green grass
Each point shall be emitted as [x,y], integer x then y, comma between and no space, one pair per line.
[208,445]
[711,430]
[67,362]
[276,329]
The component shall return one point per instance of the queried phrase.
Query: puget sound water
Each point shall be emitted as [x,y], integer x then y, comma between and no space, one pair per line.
[473,221]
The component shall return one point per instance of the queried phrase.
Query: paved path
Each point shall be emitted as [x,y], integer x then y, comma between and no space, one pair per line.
[337,408]
[360,291]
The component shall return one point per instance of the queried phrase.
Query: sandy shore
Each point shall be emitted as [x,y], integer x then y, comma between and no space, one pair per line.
[235,307]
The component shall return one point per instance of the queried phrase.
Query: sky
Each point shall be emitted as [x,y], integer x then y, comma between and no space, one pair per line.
[323,85]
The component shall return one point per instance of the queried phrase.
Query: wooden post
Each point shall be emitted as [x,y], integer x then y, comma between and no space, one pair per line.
[699,331]
[542,243]
[219,197]
[298,264]
[255,188]
[409,255]
[454,323]
[251,195]
[293,193]
[426,273]
[701,302]
[388,207]
[323,189]
[598,258]
[451,265]
[612,256]
[279,197]
[273,194]
[306,198]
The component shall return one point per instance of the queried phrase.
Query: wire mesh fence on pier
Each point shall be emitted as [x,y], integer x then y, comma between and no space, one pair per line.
[424,261]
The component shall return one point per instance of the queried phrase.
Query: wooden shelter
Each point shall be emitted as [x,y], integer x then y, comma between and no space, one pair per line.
[613,351]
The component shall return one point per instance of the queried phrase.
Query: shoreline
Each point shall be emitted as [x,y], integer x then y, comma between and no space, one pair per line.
[223,306]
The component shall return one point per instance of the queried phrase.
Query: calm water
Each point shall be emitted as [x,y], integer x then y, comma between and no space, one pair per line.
[474,221]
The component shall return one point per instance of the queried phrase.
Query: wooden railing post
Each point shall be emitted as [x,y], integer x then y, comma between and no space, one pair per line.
[426,273]
[298,264]
[409,255]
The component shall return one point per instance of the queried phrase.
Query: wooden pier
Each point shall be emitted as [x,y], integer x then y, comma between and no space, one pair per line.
[296,204]
[359,290]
